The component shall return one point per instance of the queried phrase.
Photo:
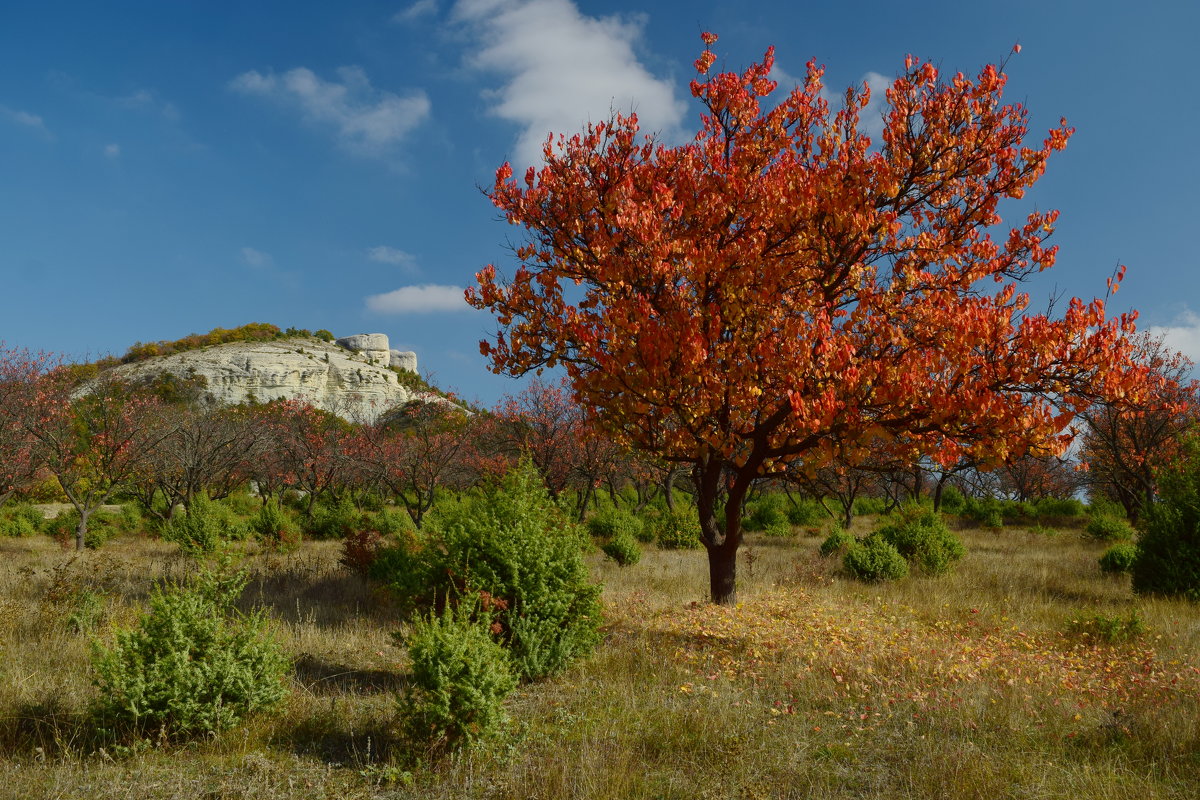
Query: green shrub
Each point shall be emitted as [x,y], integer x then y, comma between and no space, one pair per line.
[1168,557]
[101,528]
[193,665]
[20,520]
[392,521]
[952,501]
[623,549]
[780,530]
[837,542]
[678,530]
[864,506]
[614,522]
[765,512]
[274,529]
[198,530]
[806,512]
[1111,630]
[1060,507]
[1109,529]
[874,560]
[513,543]
[460,678]
[334,520]
[1119,558]
[922,538]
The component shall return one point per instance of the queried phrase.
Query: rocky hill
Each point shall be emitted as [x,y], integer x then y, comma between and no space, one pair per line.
[357,377]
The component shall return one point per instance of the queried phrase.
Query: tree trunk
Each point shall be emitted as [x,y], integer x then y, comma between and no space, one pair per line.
[722,573]
[81,529]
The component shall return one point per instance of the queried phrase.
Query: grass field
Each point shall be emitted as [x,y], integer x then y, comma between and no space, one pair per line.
[1026,673]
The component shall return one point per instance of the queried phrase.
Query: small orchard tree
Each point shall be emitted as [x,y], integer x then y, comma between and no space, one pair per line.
[94,440]
[20,455]
[1127,441]
[782,290]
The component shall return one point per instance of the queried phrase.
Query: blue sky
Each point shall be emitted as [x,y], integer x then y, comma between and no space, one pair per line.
[170,167]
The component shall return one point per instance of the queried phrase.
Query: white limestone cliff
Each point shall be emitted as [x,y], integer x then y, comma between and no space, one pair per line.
[352,380]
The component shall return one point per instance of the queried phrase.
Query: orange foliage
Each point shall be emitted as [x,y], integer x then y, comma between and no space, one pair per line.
[781,289]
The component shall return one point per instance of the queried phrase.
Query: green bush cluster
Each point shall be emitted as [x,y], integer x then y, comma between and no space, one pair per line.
[511,543]
[678,530]
[922,538]
[1112,630]
[864,506]
[20,520]
[623,549]
[766,512]
[193,665]
[614,522]
[334,520]
[837,541]
[460,678]
[1168,557]
[203,528]
[1119,558]
[806,512]
[274,529]
[874,560]
[1109,529]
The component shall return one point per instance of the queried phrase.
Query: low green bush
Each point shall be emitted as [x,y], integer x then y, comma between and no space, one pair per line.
[510,542]
[865,506]
[1109,529]
[460,679]
[952,500]
[766,512]
[614,522]
[780,530]
[200,529]
[20,520]
[1168,557]
[922,538]
[1060,507]
[334,520]
[678,530]
[623,549]
[1119,558]
[1111,630]
[806,513]
[874,560]
[274,529]
[837,541]
[194,664]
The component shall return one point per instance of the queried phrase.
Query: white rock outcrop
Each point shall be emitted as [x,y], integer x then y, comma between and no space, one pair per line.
[351,381]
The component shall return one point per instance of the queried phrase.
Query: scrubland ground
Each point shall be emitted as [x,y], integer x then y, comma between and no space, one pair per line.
[1025,673]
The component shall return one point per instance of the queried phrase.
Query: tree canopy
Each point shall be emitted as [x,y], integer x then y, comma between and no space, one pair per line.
[782,290]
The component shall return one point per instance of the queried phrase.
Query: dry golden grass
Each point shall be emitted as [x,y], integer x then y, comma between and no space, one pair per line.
[971,685]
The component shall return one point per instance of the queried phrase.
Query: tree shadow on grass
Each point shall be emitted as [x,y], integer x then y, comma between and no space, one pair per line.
[322,678]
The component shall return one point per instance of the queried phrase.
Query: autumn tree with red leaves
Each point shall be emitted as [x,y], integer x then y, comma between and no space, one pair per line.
[20,456]
[1128,440]
[781,290]
[94,440]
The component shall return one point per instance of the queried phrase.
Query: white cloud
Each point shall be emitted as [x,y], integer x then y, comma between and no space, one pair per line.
[421,8]
[419,299]
[1183,335]
[563,69]
[871,117]
[257,258]
[367,120]
[24,118]
[112,151]
[391,255]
